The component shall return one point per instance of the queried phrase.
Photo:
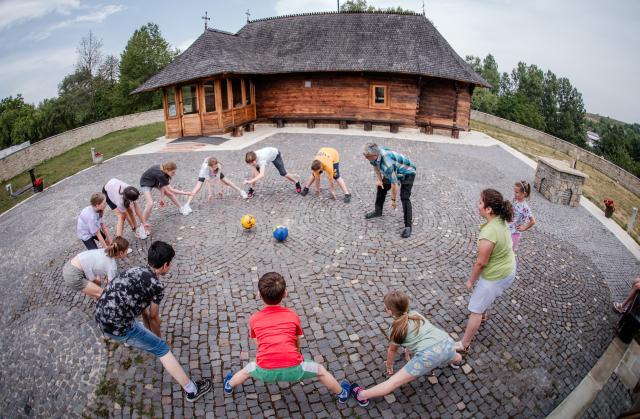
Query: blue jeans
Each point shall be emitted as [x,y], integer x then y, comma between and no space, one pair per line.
[142,338]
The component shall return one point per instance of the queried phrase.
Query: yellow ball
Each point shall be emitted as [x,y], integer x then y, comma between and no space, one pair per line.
[248,221]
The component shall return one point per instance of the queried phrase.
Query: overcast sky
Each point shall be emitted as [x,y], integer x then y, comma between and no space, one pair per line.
[595,44]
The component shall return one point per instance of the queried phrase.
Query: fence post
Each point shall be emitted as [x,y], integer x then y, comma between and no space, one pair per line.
[632,220]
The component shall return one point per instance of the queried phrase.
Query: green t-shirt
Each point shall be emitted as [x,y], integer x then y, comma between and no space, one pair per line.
[422,335]
[502,259]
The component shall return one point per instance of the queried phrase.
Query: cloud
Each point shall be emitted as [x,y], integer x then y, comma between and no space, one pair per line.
[182,46]
[17,11]
[36,74]
[96,16]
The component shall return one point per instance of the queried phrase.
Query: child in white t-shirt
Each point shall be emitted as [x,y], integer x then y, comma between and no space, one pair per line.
[91,227]
[259,160]
[211,170]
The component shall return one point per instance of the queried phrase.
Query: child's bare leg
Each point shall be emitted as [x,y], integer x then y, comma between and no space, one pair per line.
[342,185]
[290,178]
[195,191]
[120,225]
[396,380]
[148,207]
[309,182]
[632,293]
[92,290]
[473,324]
[239,378]
[328,380]
[131,219]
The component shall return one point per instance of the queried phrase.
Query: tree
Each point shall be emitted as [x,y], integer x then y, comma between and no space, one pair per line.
[146,53]
[89,54]
[362,6]
[16,121]
[110,69]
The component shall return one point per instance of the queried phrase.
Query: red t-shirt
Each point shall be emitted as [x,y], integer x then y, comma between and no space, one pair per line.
[277,329]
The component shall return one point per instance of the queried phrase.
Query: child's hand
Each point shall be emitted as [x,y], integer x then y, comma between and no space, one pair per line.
[161,203]
[245,182]
[469,285]
[389,366]
[521,228]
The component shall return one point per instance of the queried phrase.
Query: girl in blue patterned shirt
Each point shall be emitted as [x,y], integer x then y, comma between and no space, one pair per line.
[523,218]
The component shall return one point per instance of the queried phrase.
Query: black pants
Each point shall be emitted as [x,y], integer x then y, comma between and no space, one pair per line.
[91,244]
[406,185]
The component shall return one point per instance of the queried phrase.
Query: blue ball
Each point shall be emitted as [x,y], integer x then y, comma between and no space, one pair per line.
[280,233]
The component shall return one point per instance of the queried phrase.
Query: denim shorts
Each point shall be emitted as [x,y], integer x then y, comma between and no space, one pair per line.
[142,338]
[431,357]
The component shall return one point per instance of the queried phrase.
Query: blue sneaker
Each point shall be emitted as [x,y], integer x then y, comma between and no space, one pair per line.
[226,387]
[346,390]
[355,389]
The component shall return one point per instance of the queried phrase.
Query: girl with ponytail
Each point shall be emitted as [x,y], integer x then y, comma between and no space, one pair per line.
[88,270]
[123,200]
[495,267]
[522,217]
[431,348]
[90,227]
[159,176]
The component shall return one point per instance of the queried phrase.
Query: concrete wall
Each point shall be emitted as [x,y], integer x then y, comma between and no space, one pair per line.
[35,154]
[616,173]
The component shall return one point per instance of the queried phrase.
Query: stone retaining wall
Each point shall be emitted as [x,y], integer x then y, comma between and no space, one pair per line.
[35,154]
[616,173]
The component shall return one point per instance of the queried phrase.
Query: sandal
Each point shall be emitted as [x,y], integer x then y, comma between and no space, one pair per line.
[460,348]
[618,307]
[457,365]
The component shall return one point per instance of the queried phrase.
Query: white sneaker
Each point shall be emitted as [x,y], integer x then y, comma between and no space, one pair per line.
[188,208]
[141,233]
[244,195]
[184,210]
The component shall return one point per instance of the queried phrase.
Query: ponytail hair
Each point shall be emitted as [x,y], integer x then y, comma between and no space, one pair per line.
[129,195]
[119,244]
[398,303]
[524,187]
[499,207]
[168,166]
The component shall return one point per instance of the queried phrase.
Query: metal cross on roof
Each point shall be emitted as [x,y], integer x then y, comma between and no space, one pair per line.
[205,18]
[248,15]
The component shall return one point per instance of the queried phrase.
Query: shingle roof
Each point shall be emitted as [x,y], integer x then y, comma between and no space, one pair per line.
[321,42]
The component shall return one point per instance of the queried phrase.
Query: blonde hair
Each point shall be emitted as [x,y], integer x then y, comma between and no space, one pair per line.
[168,166]
[119,244]
[97,199]
[398,303]
[212,161]
[250,157]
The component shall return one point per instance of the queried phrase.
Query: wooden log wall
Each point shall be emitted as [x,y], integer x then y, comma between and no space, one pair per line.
[336,95]
[444,102]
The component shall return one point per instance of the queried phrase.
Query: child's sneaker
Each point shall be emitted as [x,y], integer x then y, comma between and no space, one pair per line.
[298,187]
[347,198]
[188,207]
[346,391]
[244,195]
[226,387]
[141,233]
[304,192]
[250,194]
[355,390]
[204,386]
[184,210]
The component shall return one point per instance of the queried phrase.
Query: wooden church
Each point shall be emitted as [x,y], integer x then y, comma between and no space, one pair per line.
[391,69]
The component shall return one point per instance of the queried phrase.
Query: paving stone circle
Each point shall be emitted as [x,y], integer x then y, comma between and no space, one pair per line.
[544,334]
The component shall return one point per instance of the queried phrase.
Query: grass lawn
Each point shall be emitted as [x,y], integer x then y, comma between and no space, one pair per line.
[76,159]
[597,188]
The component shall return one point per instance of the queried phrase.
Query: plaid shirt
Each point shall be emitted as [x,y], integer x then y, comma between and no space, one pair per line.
[393,166]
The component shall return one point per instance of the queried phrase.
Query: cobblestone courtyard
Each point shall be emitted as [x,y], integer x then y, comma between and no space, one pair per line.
[542,338]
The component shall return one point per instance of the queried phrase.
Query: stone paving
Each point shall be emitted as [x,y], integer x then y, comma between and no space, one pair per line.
[544,334]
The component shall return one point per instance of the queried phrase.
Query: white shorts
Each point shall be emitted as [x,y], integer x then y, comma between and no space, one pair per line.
[487,291]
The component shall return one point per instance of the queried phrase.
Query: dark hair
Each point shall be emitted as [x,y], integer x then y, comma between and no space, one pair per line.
[129,195]
[398,303]
[160,253]
[250,157]
[316,165]
[119,244]
[524,187]
[272,287]
[499,207]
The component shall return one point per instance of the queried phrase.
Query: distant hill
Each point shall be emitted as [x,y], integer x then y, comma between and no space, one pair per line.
[594,117]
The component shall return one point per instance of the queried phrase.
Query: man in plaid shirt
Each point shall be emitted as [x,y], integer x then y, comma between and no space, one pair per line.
[391,169]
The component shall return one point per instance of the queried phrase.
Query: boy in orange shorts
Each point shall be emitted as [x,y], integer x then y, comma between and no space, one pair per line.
[327,160]
[277,330]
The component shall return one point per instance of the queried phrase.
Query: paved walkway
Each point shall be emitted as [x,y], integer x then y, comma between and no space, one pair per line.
[543,337]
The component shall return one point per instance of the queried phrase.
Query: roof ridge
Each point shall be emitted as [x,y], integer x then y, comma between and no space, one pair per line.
[374,12]
[221,31]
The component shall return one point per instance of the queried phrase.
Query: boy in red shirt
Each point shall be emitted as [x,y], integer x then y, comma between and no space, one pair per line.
[277,330]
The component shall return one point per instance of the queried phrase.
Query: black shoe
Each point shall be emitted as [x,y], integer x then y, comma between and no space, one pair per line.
[250,194]
[204,386]
[406,232]
[347,198]
[298,187]
[304,192]
[373,214]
